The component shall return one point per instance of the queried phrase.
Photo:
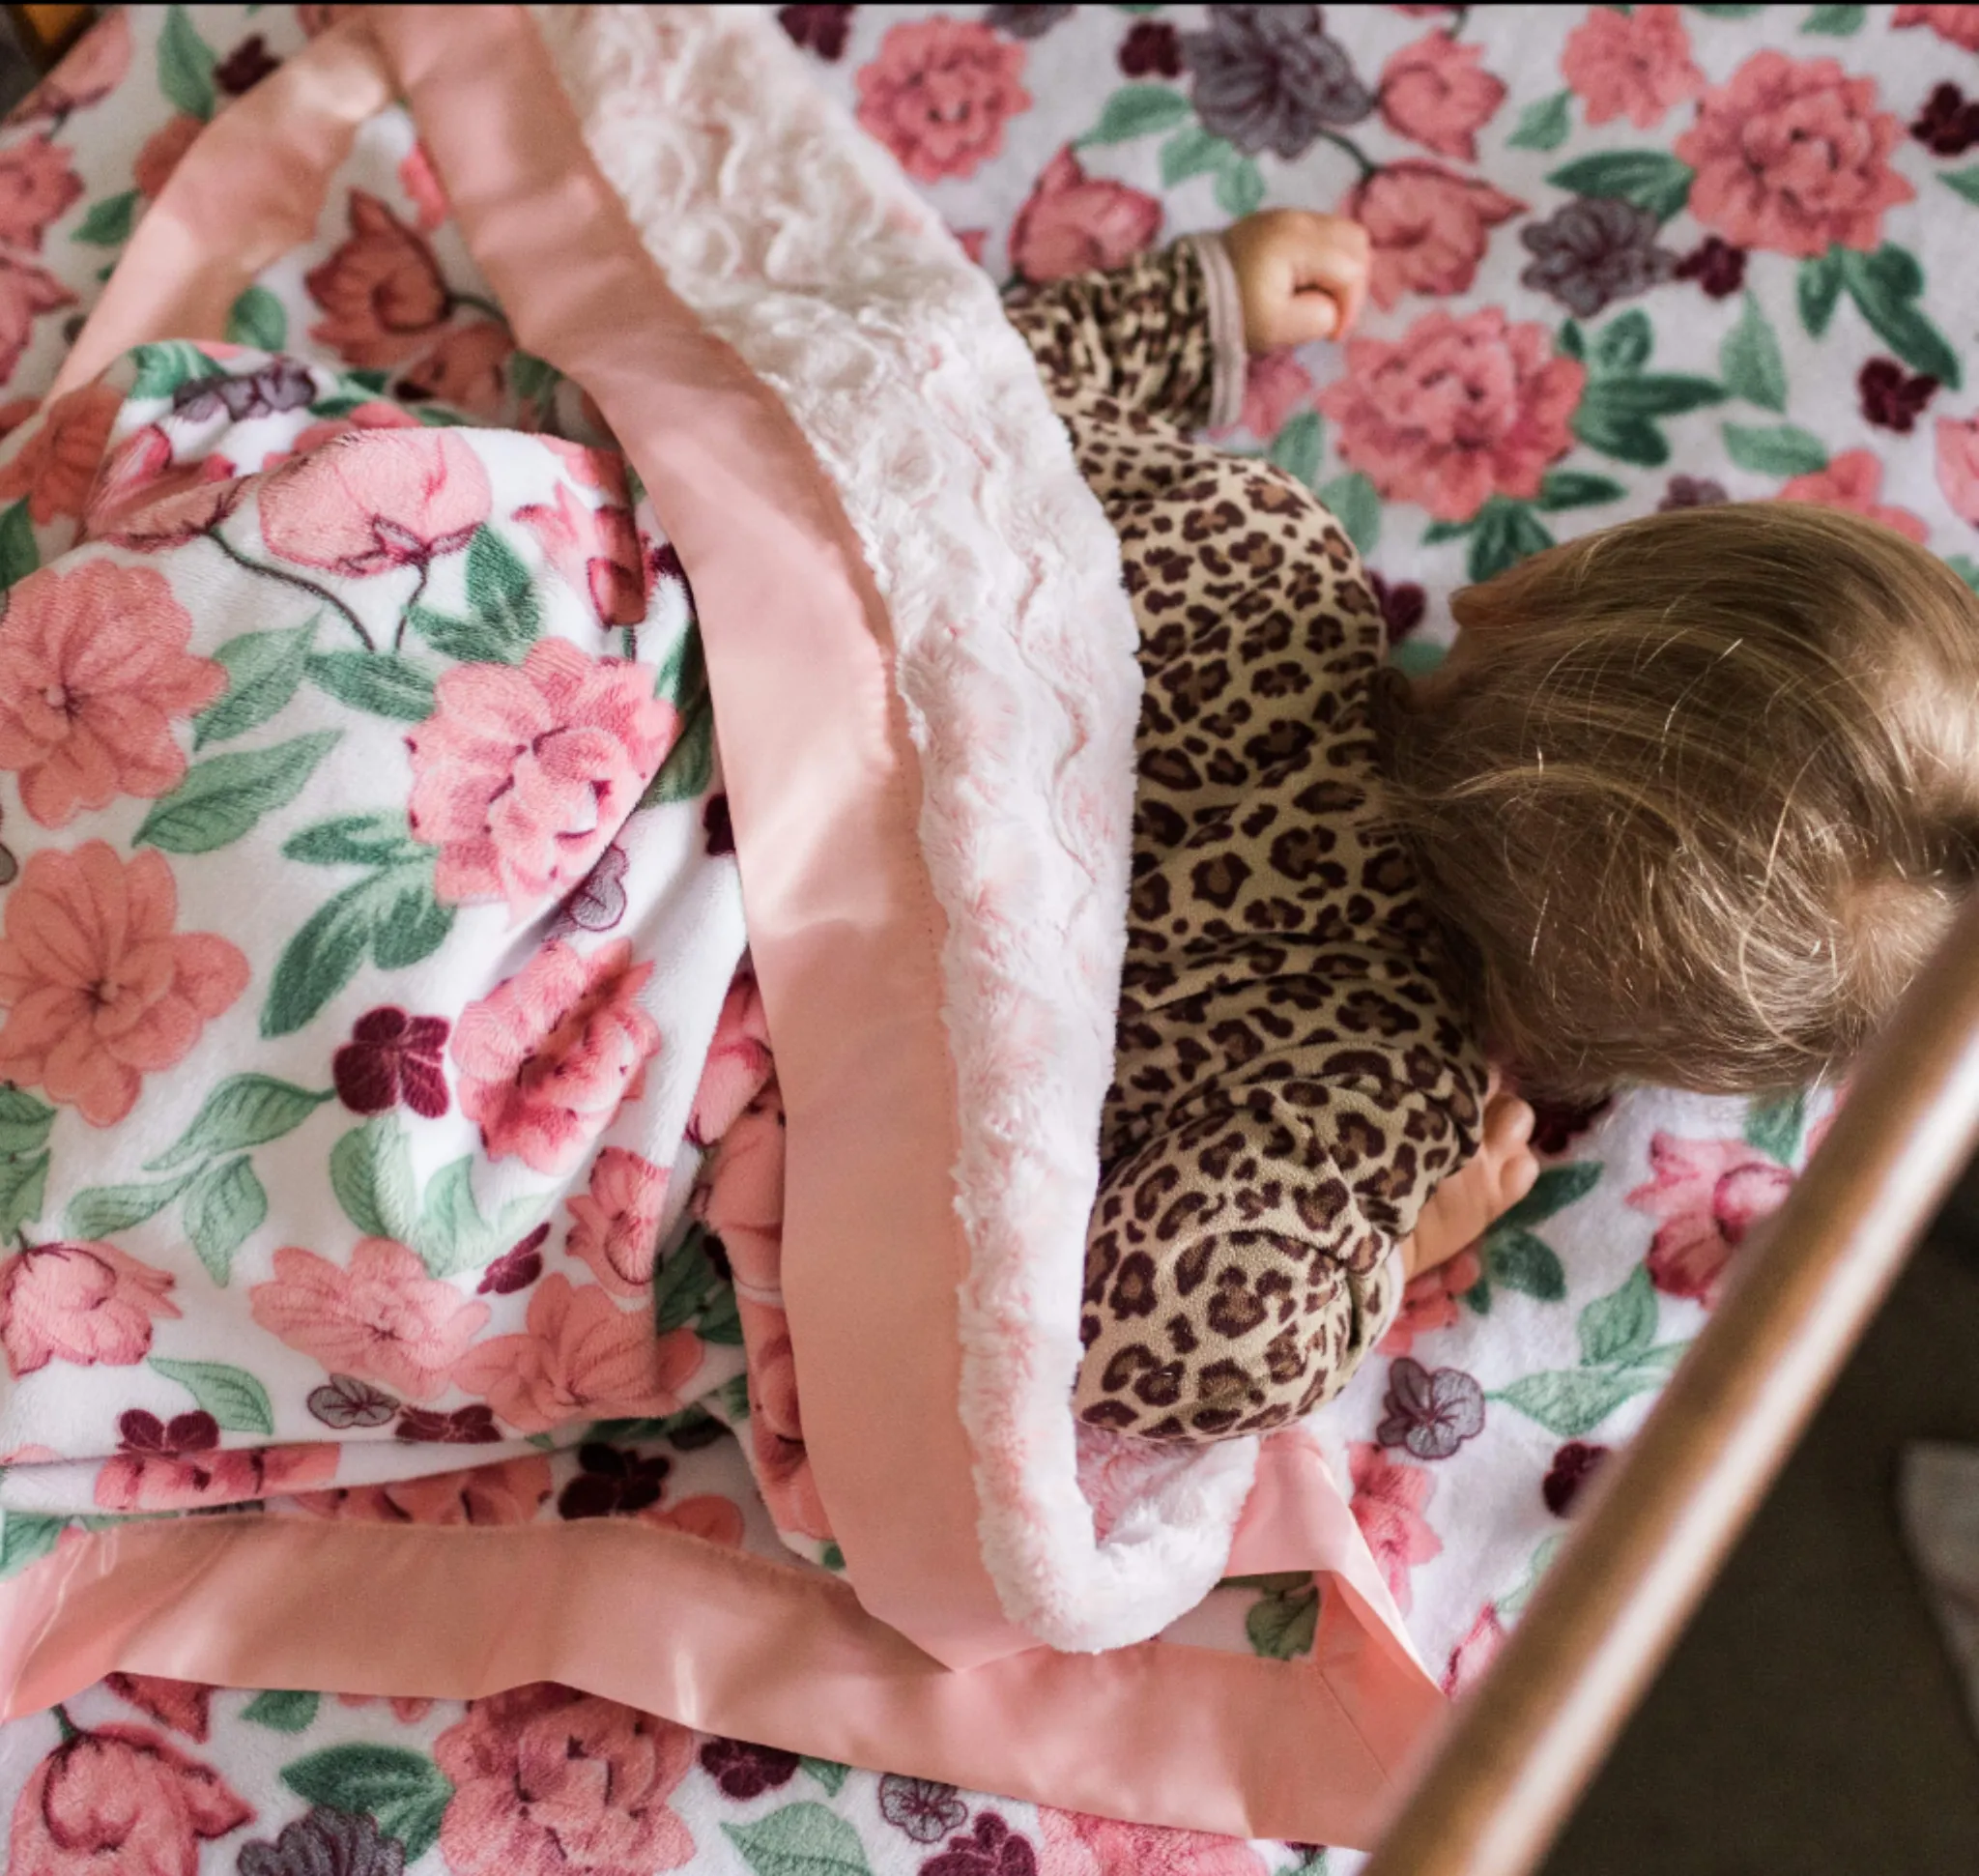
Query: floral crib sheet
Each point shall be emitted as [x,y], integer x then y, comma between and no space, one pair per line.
[1678,255]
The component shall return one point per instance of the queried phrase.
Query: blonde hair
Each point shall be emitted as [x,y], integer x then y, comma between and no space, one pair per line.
[1696,796]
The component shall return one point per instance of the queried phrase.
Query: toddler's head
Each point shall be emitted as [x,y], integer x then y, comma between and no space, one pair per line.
[1697,794]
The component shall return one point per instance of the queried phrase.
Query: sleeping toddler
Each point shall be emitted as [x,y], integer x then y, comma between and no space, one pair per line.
[1688,803]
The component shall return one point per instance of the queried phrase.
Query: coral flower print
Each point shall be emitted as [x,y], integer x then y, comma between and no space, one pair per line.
[1635,65]
[938,93]
[1275,385]
[383,1318]
[26,292]
[118,1802]
[420,180]
[1435,92]
[1793,156]
[548,1781]
[57,465]
[92,71]
[36,184]
[524,772]
[180,1705]
[176,1482]
[1705,1195]
[1472,1655]
[1075,223]
[1957,465]
[546,1059]
[617,1224]
[510,1492]
[376,500]
[1457,411]
[1074,1844]
[464,368]
[163,152]
[1429,228]
[85,1303]
[582,1358]
[1430,1302]
[1389,1497]
[739,1062]
[1851,482]
[94,669]
[1960,25]
[381,290]
[98,989]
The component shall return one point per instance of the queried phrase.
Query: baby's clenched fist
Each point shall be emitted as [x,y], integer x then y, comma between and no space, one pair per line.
[1301,275]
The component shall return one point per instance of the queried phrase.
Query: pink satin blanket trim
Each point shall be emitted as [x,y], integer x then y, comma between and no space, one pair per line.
[824,790]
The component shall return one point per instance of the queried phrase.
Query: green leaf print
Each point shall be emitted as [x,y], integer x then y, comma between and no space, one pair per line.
[1774,1126]
[500,590]
[393,915]
[532,377]
[1281,1623]
[235,1398]
[1574,489]
[690,764]
[720,1323]
[1240,188]
[1353,503]
[371,1173]
[221,799]
[161,368]
[1135,110]
[1623,346]
[355,839]
[1749,360]
[1297,446]
[1836,22]
[1194,151]
[1648,178]
[378,682]
[1555,1188]
[1617,1328]
[227,1205]
[24,1120]
[102,1211]
[282,1711]
[1523,1262]
[411,924]
[186,63]
[1781,450]
[320,959]
[1729,12]
[683,1283]
[264,671]
[1966,568]
[1884,286]
[109,222]
[451,1235]
[23,1189]
[257,319]
[405,1792]
[20,552]
[26,1537]
[1571,1402]
[1506,534]
[1817,287]
[828,1771]
[1965,181]
[1546,125]
[805,1839]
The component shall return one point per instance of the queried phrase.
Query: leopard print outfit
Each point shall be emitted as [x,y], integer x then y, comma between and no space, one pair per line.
[1291,1081]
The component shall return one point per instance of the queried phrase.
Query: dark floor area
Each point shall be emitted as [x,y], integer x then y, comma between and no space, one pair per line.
[1809,1723]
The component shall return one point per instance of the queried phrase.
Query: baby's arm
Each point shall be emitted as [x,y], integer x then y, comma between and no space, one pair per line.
[1167,334]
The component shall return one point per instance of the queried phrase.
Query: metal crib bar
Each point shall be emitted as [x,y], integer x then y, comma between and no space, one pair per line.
[1522,1746]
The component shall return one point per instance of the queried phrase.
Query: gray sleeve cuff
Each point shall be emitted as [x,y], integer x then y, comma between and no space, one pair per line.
[1230,360]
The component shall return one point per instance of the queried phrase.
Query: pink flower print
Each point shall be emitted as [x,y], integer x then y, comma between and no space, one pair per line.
[119,1801]
[739,1062]
[1275,385]
[1430,1301]
[938,93]
[26,292]
[1070,1843]
[1634,65]
[1957,465]
[98,990]
[776,1427]
[1389,1497]
[180,1705]
[1437,92]
[146,500]
[93,671]
[393,1057]
[598,552]
[91,72]
[523,773]
[382,1318]
[1472,1655]
[547,1058]
[57,465]
[420,181]
[582,1358]
[505,1492]
[465,368]
[1851,482]
[382,289]
[185,1481]
[1792,155]
[548,1781]
[85,1303]
[743,1201]
[1705,1195]
[376,500]
[1957,25]
[1457,411]
[36,184]
[617,1229]
[1429,228]
[1075,223]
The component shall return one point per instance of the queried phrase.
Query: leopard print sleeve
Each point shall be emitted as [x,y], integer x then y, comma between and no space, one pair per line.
[1155,337]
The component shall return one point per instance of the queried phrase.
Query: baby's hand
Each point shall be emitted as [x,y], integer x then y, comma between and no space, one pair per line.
[1481,1191]
[1301,275]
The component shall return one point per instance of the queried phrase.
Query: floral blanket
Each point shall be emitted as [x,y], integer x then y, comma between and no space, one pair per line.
[1623,259]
